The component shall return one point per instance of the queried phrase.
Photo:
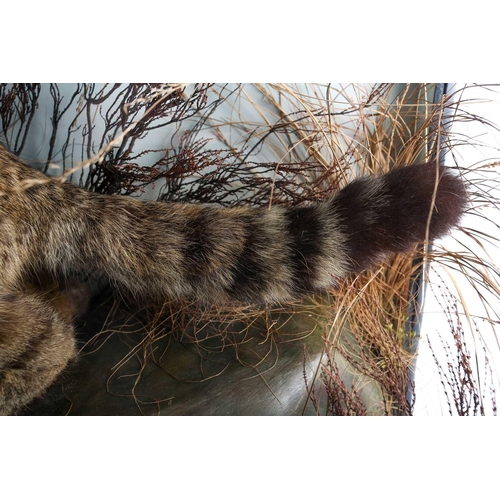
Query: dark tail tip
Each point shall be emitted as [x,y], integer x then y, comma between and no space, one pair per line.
[390,213]
[413,190]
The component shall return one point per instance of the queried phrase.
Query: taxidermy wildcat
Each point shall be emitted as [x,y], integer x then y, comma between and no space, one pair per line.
[208,254]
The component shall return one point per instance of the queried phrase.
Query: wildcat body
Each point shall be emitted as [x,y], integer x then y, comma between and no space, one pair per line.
[207,254]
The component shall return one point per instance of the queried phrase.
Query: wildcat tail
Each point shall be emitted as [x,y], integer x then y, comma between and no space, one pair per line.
[211,254]
[215,255]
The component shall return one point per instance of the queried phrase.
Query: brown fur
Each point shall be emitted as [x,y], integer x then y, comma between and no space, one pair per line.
[208,254]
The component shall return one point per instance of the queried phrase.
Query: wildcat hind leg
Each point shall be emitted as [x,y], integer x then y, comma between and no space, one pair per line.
[36,343]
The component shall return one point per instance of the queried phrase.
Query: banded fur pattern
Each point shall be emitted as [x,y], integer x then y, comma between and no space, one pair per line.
[215,255]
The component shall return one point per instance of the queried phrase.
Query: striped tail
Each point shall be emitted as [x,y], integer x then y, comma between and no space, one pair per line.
[215,255]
